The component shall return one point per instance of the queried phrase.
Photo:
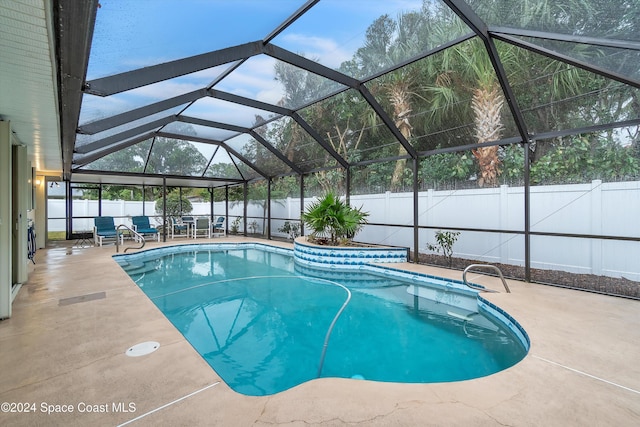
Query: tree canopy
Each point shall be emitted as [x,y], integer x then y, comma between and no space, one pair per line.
[449,109]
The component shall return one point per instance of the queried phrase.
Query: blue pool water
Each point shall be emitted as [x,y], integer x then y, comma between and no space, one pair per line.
[261,321]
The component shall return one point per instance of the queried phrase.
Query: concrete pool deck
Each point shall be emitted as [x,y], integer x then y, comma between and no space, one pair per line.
[64,350]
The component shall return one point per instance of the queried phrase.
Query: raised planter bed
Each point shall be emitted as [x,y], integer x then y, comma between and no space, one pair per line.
[326,256]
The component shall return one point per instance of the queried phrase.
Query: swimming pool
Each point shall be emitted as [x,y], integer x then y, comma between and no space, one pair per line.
[266,323]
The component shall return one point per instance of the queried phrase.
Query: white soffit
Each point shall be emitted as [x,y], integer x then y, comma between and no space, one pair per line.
[28,83]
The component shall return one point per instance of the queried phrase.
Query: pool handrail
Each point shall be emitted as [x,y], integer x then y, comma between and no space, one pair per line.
[490,266]
[138,236]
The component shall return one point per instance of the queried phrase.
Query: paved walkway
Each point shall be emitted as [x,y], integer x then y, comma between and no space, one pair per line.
[64,349]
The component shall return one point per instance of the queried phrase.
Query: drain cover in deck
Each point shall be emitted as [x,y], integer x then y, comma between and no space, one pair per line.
[143,349]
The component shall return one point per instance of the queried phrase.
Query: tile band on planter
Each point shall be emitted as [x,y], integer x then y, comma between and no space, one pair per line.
[345,256]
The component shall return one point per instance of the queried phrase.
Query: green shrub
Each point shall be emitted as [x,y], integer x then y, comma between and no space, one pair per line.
[445,241]
[330,217]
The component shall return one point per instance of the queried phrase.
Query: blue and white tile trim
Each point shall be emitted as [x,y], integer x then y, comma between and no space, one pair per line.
[348,265]
[506,319]
[180,248]
[320,256]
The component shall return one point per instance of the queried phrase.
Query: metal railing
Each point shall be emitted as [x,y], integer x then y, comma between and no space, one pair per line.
[138,236]
[493,267]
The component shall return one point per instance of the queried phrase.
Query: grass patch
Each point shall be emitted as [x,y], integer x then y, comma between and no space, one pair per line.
[56,235]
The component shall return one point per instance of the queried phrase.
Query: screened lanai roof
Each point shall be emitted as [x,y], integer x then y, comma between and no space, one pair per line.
[213,93]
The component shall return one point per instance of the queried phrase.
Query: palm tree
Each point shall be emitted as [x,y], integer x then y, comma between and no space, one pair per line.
[332,217]
[487,102]
[466,68]
[398,87]
[399,94]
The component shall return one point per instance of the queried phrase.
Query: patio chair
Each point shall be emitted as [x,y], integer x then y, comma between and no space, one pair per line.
[178,227]
[203,226]
[142,226]
[104,228]
[218,227]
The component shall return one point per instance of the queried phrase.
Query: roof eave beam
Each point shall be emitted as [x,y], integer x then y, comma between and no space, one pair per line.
[105,142]
[74,22]
[236,99]
[565,58]
[319,140]
[211,124]
[156,73]
[570,38]
[139,113]
[309,65]
[88,158]
[150,175]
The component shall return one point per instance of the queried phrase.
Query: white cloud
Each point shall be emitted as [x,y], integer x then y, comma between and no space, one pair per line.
[327,51]
[95,108]
[254,79]
[165,89]
[222,111]
[270,96]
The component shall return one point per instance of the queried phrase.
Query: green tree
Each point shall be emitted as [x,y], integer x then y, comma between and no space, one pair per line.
[176,205]
[130,159]
[445,167]
[176,157]
[580,159]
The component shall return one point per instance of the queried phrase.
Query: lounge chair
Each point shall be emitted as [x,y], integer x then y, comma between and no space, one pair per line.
[104,228]
[142,226]
[218,227]
[203,226]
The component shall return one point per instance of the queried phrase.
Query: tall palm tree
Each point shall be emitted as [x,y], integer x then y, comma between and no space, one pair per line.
[404,89]
[487,102]
[467,69]
[559,81]
[401,40]
[400,93]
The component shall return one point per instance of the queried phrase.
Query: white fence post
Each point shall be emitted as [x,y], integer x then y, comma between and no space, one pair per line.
[504,223]
[596,226]
[387,214]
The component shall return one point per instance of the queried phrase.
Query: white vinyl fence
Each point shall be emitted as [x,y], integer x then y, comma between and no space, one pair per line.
[610,209]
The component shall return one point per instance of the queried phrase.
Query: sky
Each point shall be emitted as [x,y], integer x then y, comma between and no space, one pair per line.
[134,34]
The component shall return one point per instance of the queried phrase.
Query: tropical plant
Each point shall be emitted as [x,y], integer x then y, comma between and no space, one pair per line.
[235,225]
[253,226]
[292,228]
[445,241]
[471,69]
[331,218]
